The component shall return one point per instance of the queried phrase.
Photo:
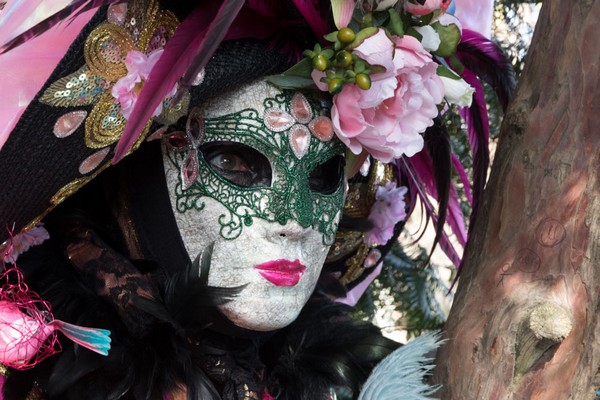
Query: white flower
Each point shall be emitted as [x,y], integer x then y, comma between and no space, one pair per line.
[21,242]
[457,91]
[383,5]
[431,40]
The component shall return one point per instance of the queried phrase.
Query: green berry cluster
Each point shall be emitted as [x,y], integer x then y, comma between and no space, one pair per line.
[338,62]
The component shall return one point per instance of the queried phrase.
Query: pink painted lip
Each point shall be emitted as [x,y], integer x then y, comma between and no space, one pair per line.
[281,272]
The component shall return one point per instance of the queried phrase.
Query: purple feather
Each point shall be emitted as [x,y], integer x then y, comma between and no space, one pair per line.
[478,134]
[464,178]
[72,10]
[486,60]
[188,51]
[422,182]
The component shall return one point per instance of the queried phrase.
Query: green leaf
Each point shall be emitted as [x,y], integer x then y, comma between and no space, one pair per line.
[303,69]
[444,71]
[291,82]
[361,36]
[449,36]
[396,25]
[297,77]
[331,37]
[456,64]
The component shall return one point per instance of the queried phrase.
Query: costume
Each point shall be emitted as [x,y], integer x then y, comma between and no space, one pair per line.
[212,254]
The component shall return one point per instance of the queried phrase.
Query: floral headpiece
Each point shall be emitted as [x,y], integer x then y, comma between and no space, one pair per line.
[386,68]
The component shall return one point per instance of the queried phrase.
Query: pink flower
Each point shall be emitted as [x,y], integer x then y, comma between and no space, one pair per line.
[22,242]
[387,120]
[127,89]
[429,6]
[388,210]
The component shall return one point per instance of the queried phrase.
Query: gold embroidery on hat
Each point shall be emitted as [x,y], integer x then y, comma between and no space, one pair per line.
[105,124]
[81,88]
[105,51]
[158,31]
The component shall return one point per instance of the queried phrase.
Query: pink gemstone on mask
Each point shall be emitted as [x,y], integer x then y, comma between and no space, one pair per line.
[299,140]
[322,128]
[301,109]
[189,169]
[277,120]
[195,126]
[117,13]
[93,161]
[68,123]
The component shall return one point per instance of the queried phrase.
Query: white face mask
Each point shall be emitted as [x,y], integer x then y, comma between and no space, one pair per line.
[259,177]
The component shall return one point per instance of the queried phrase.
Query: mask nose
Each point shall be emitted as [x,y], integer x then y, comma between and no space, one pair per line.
[290,231]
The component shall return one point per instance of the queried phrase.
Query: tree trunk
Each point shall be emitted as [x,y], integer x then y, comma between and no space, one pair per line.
[525,323]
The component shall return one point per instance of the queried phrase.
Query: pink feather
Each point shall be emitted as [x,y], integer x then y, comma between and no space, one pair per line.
[27,67]
[420,173]
[193,43]
[71,10]
[464,178]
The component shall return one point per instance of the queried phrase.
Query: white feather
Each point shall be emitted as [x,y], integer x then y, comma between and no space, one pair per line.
[401,375]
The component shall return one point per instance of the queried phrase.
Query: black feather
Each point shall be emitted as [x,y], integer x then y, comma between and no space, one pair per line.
[437,144]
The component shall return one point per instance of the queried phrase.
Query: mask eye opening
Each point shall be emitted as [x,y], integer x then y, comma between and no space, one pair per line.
[327,177]
[237,163]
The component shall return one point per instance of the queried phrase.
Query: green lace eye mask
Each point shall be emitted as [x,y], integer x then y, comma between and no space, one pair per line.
[298,143]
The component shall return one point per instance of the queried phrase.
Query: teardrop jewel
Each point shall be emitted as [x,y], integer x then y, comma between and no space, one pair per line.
[299,140]
[277,120]
[301,109]
[68,123]
[189,169]
[322,128]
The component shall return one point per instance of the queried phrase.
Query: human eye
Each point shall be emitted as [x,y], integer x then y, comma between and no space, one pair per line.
[237,163]
[327,177]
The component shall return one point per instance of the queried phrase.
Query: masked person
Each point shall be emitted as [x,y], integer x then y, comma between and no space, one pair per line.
[213,253]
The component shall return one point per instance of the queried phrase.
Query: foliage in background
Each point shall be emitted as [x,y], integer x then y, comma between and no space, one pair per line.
[407,286]
[411,288]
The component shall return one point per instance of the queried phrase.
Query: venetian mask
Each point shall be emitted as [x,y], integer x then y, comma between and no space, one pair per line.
[258,175]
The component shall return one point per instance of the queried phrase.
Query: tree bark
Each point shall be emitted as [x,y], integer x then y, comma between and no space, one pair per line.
[525,323]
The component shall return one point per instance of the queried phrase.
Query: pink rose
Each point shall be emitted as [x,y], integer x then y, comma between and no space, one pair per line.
[427,8]
[387,211]
[387,120]
[127,89]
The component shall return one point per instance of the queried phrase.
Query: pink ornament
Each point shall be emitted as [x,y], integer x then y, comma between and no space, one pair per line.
[322,128]
[93,161]
[387,120]
[301,110]
[27,328]
[21,336]
[278,120]
[68,123]
[299,140]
